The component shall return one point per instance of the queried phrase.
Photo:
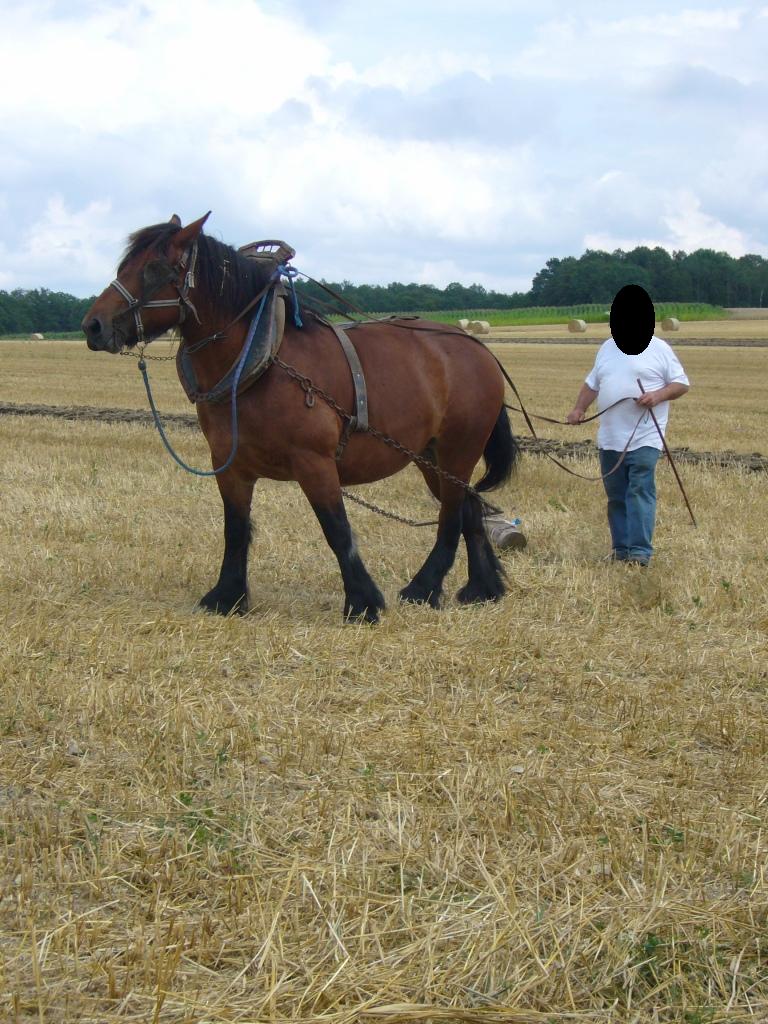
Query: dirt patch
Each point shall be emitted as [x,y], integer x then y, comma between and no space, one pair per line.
[565,449]
[88,412]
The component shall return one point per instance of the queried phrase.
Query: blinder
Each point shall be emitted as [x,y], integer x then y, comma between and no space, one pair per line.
[156,275]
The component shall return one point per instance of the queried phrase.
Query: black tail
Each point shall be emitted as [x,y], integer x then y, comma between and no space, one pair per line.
[501,454]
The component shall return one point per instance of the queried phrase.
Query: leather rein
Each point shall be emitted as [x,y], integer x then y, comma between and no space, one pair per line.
[187,265]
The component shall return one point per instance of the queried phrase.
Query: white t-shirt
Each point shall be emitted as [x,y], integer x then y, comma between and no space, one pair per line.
[614,376]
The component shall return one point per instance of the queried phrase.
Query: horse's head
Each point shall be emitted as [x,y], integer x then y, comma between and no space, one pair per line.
[150,294]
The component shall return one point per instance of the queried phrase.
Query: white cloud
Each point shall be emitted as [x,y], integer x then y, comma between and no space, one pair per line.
[117,66]
[631,48]
[684,226]
[67,244]
[692,228]
[473,151]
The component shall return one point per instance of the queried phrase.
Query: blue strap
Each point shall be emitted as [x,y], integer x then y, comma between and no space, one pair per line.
[291,273]
[235,382]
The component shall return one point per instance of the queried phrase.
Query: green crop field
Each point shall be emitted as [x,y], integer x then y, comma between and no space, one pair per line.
[537,315]
[592,313]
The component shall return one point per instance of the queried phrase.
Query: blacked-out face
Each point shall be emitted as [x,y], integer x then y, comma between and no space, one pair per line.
[633,319]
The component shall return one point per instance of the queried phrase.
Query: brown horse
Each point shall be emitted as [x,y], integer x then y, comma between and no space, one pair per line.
[432,388]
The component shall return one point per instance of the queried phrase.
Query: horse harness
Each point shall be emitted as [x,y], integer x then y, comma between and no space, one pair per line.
[358,421]
[264,336]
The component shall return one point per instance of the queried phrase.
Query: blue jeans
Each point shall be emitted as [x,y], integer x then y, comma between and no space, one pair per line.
[631,494]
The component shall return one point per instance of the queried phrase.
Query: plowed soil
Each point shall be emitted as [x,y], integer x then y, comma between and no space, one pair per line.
[567,449]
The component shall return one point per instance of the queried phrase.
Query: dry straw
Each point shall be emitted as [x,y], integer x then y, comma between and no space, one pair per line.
[670,323]
[552,809]
[577,326]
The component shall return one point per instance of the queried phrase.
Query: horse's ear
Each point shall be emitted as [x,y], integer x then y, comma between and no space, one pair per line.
[187,235]
[175,219]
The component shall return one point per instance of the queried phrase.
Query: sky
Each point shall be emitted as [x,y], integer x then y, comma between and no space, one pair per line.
[423,142]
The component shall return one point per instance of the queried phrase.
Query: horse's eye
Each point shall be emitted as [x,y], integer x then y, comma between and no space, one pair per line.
[157,273]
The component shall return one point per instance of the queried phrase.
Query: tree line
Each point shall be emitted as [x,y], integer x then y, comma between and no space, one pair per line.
[41,311]
[701,276]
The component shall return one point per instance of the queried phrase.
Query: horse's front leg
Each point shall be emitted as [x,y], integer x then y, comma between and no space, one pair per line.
[231,591]
[319,480]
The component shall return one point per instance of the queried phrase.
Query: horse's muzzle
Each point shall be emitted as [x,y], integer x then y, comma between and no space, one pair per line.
[97,339]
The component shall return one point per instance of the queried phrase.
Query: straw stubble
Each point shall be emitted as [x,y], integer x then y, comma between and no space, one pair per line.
[548,809]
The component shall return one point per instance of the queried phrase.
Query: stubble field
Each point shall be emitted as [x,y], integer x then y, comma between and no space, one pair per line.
[549,809]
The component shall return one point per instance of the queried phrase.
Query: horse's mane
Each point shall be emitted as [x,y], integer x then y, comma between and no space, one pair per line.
[229,278]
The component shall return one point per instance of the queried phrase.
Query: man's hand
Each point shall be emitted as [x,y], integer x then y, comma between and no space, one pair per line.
[584,399]
[649,399]
[666,394]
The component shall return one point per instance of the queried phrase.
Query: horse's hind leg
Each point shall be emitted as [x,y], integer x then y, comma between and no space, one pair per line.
[362,598]
[486,576]
[231,591]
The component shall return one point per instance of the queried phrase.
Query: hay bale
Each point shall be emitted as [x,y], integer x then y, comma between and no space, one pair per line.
[577,326]
[670,323]
[36,337]
[464,324]
[479,327]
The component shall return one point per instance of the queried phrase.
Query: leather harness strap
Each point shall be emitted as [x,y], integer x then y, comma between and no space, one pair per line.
[360,416]
[358,421]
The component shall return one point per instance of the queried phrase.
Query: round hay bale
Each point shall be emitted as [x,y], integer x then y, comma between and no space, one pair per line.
[485,327]
[670,323]
[479,327]
[36,337]
[464,324]
[577,326]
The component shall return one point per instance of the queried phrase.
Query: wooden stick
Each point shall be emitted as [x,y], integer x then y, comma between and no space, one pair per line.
[669,456]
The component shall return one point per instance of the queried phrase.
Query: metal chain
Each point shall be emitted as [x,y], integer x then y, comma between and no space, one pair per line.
[312,389]
[139,351]
[389,515]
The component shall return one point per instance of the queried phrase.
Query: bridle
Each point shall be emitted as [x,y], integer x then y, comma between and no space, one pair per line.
[187,265]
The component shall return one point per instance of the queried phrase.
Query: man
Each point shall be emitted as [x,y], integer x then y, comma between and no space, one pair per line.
[632,352]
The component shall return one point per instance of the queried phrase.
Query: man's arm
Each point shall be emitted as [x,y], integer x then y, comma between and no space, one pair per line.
[584,399]
[666,394]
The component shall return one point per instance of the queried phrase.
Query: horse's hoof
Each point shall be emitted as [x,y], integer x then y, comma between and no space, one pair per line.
[220,603]
[417,595]
[353,615]
[472,593]
[363,604]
